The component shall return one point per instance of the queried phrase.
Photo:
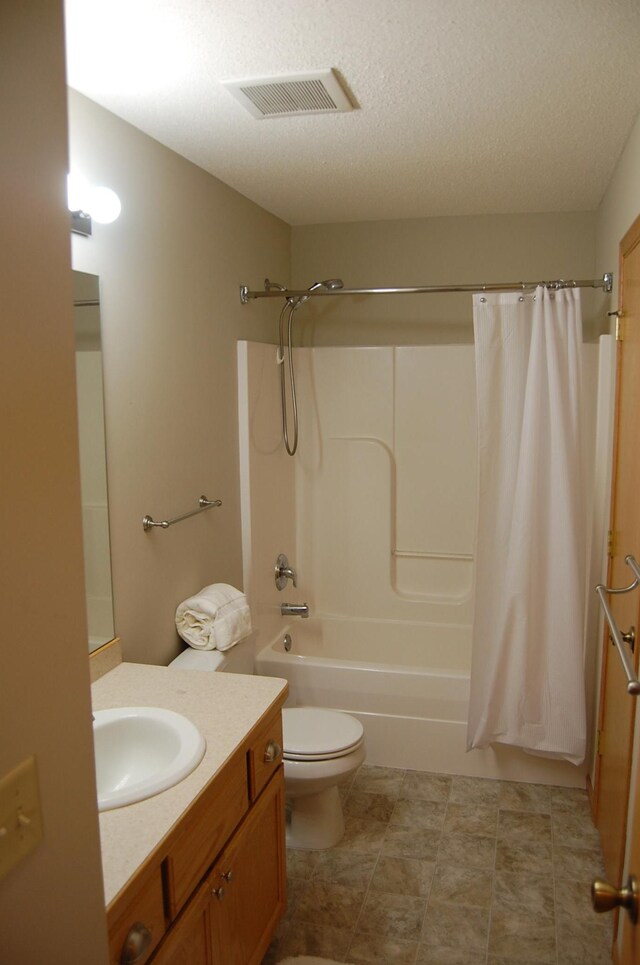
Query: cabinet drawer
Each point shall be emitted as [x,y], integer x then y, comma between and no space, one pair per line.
[208,826]
[265,753]
[145,908]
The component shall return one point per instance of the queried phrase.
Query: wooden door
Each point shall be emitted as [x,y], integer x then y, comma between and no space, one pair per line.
[630,255]
[618,709]
[631,933]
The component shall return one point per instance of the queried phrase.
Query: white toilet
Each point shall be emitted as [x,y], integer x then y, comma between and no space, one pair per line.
[322,749]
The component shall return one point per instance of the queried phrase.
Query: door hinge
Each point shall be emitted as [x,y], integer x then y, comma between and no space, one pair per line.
[612,543]
[599,743]
[619,327]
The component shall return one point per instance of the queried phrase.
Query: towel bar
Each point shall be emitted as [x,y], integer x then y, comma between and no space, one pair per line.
[203,503]
[633,685]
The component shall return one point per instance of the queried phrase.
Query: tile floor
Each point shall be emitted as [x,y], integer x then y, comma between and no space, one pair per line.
[438,870]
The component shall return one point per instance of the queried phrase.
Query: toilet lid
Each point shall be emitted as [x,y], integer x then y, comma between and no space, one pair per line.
[311,733]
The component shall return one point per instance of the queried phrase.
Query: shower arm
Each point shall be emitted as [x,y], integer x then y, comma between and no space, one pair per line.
[605,283]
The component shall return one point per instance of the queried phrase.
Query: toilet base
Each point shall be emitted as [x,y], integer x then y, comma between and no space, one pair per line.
[315,821]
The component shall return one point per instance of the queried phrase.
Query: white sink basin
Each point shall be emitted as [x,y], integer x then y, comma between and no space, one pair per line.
[141,751]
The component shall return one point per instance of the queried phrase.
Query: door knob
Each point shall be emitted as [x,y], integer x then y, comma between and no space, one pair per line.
[604,897]
[630,638]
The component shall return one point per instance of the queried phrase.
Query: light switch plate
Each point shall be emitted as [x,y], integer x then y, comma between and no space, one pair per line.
[20,815]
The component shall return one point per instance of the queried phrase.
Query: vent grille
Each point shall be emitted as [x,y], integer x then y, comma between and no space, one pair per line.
[293,97]
[317,93]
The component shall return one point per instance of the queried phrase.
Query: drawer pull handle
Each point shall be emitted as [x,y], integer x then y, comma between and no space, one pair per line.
[219,893]
[272,752]
[136,944]
[227,875]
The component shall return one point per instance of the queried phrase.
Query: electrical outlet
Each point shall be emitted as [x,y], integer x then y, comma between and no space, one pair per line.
[20,815]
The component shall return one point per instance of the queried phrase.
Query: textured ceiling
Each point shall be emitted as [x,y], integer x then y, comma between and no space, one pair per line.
[464,106]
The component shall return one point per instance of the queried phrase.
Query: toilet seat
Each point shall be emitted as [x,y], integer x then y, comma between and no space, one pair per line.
[317,734]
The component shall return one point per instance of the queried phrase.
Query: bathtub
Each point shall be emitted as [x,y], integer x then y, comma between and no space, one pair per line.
[408,683]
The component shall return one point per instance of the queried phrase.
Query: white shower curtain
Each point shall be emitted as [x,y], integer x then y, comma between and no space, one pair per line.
[527,680]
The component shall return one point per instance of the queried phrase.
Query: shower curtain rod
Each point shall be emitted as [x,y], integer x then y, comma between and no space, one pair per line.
[606,283]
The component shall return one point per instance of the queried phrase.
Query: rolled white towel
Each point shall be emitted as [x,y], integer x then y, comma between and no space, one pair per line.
[216,618]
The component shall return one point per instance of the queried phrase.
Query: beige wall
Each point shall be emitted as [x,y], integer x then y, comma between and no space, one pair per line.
[432,251]
[51,905]
[620,205]
[170,270]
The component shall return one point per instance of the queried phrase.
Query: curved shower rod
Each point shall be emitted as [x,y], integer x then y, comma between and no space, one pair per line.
[606,283]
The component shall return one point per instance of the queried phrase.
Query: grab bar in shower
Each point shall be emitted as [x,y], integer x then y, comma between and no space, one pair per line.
[619,639]
[203,503]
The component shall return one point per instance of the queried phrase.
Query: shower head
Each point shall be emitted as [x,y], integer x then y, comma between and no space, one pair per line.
[331,284]
[293,303]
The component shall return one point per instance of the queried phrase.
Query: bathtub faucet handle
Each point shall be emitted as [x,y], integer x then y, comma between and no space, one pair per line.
[284,572]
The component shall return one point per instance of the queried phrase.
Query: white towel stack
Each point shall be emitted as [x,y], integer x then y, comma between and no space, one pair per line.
[216,618]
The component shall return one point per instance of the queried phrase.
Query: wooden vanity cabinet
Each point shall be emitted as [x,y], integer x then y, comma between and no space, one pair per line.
[232,915]
[251,870]
[214,892]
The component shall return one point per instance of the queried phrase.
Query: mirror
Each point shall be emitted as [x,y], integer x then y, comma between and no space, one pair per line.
[93,459]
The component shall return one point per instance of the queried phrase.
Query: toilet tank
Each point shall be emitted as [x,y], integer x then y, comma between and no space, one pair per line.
[237,659]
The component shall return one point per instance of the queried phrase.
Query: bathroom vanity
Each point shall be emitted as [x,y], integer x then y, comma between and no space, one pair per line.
[196,874]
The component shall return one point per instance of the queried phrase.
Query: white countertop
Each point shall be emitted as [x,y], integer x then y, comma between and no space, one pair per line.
[223,706]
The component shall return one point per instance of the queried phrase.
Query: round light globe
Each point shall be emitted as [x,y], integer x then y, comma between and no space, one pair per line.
[105,205]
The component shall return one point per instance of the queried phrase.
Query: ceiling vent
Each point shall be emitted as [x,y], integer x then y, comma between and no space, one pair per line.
[319,92]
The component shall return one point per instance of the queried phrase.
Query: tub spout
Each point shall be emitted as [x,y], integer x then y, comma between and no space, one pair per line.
[295,610]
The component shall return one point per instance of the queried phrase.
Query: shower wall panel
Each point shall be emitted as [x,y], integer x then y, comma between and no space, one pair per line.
[267,499]
[386,479]
[435,452]
[376,509]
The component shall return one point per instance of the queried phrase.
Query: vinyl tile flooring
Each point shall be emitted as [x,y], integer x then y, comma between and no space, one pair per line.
[439,870]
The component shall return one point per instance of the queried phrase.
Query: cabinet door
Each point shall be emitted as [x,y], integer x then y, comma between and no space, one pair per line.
[251,872]
[189,942]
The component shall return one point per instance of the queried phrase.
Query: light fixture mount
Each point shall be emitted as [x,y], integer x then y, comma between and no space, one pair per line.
[81,223]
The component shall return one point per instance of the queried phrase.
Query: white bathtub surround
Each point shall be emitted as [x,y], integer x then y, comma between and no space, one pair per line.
[414,716]
[377,509]
[216,618]
[527,678]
